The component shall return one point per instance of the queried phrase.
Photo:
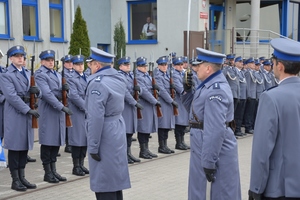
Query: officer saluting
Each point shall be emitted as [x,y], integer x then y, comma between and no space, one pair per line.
[214,156]
[19,137]
[275,162]
[106,131]
[52,125]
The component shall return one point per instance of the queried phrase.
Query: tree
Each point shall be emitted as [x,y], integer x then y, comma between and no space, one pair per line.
[80,41]
[120,44]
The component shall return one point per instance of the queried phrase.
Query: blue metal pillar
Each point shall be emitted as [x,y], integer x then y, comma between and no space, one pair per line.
[284,18]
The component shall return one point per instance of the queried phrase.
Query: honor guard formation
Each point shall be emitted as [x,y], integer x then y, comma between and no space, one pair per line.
[95,112]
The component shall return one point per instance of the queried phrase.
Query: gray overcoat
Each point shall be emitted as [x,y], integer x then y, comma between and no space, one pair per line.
[106,134]
[214,146]
[18,132]
[129,113]
[275,160]
[231,74]
[52,125]
[76,103]
[167,121]
[149,123]
[2,100]
[251,83]
[183,117]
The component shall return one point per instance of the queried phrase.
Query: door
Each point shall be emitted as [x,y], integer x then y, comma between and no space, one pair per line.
[216,27]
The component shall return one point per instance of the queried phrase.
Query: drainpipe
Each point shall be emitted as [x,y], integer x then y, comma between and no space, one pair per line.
[255,20]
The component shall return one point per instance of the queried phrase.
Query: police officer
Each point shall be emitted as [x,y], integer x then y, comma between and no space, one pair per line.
[231,75]
[194,65]
[275,165]
[52,121]
[149,123]
[251,96]
[182,120]
[77,82]
[19,137]
[239,111]
[214,156]
[130,104]
[185,62]
[106,131]
[2,99]
[269,79]
[68,71]
[87,71]
[260,85]
[167,121]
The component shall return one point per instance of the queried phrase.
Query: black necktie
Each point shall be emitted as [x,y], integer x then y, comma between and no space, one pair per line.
[148,28]
[83,76]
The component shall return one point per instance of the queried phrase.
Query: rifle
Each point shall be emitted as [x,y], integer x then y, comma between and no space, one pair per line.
[136,93]
[172,90]
[64,95]
[32,96]
[158,108]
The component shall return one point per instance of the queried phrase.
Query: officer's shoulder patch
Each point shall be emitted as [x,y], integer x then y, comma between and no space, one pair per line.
[272,88]
[217,97]
[216,85]
[96,92]
[98,79]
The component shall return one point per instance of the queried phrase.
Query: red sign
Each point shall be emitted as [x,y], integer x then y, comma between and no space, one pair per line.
[203,15]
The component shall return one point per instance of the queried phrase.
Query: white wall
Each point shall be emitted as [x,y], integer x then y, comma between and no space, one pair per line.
[16,30]
[170,26]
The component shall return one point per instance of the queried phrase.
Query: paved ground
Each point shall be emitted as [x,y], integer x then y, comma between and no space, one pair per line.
[164,178]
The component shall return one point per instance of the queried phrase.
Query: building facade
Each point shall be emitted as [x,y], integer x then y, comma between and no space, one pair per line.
[47,24]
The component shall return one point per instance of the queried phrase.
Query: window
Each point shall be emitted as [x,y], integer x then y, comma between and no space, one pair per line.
[56,21]
[30,20]
[4,19]
[142,22]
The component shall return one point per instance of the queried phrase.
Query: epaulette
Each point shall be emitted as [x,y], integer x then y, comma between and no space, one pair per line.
[216,85]
[271,88]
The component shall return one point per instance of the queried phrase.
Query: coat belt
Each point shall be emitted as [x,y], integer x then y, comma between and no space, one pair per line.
[199,125]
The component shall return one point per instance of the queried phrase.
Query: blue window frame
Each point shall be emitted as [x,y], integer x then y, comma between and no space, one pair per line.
[142,22]
[4,20]
[30,20]
[56,20]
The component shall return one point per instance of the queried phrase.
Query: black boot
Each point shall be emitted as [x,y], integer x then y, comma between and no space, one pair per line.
[68,148]
[49,177]
[162,148]
[84,169]
[57,175]
[149,152]
[179,145]
[129,160]
[24,181]
[16,183]
[166,146]
[184,144]
[76,168]
[134,159]
[143,152]
[29,159]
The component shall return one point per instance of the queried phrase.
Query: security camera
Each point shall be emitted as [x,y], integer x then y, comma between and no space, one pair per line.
[245,17]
